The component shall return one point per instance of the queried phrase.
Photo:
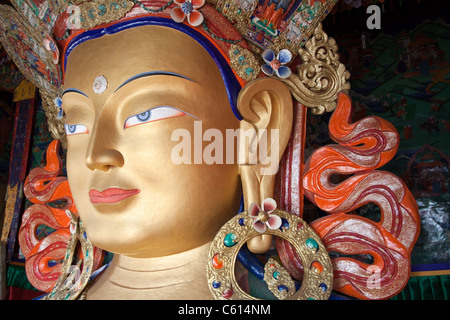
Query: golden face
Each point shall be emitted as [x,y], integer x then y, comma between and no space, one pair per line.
[133,199]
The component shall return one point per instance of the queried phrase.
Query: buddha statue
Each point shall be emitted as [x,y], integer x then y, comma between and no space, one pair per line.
[168,124]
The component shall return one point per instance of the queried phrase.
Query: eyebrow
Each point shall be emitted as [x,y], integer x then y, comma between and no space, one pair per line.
[138,76]
[152,73]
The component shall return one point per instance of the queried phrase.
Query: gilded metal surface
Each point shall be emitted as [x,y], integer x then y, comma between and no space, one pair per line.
[278,280]
[317,282]
[244,63]
[320,76]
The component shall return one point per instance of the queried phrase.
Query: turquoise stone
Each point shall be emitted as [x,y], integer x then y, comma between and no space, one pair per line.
[229,240]
[276,274]
[312,244]
[249,71]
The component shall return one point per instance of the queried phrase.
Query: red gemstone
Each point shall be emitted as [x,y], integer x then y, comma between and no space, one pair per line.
[217,262]
[227,293]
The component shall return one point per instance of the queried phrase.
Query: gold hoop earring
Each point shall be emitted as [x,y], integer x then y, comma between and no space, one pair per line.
[318,271]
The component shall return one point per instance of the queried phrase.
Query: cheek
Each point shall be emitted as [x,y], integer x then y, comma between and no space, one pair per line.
[146,150]
[78,173]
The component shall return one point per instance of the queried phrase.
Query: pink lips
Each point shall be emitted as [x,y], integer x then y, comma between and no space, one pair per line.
[111,195]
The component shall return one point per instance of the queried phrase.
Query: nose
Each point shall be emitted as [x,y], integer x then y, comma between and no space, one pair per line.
[103,153]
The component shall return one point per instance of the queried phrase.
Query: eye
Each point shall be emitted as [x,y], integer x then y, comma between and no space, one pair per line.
[152,115]
[72,129]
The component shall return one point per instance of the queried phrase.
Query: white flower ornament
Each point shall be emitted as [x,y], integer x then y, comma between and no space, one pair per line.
[188,9]
[59,107]
[263,216]
[276,64]
[100,84]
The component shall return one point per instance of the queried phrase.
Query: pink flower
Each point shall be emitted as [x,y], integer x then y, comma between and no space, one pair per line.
[264,217]
[187,8]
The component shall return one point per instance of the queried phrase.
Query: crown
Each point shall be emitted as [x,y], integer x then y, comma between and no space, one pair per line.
[258,37]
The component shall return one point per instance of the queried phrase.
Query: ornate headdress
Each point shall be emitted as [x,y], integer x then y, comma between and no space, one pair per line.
[256,37]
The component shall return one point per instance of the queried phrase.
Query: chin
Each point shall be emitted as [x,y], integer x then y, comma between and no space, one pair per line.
[128,240]
[115,244]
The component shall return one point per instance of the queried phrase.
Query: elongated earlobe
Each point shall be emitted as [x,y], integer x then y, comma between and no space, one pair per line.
[266,107]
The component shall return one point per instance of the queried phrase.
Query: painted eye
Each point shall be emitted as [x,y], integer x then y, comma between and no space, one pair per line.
[152,115]
[72,129]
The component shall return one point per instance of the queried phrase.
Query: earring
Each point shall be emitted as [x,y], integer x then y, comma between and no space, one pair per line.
[278,280]
[318,271]
[74,277]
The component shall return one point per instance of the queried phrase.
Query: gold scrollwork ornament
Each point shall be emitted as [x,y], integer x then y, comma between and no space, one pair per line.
[321,76]
[318,272]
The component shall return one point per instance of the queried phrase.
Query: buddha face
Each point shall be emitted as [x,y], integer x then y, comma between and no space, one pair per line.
[125,95]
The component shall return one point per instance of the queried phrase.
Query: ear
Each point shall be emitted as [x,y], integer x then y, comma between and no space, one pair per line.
[266,107]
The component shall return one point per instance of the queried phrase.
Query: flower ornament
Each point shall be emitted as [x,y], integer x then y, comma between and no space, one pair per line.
[276,64]
[58,103]
[50,45]
[188,9]
[263,216]
[73,224]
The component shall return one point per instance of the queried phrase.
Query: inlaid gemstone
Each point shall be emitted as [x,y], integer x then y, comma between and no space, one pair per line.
[284,224]
[282,287]
[217,262]
[323,286]
[227,293]
[216,284]
[317,267]
[312,244]
[229,240]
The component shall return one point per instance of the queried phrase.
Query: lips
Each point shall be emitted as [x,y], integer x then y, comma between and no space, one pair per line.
[111,195]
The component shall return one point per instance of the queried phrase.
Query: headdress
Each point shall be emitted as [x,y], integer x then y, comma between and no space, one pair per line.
[257,37]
